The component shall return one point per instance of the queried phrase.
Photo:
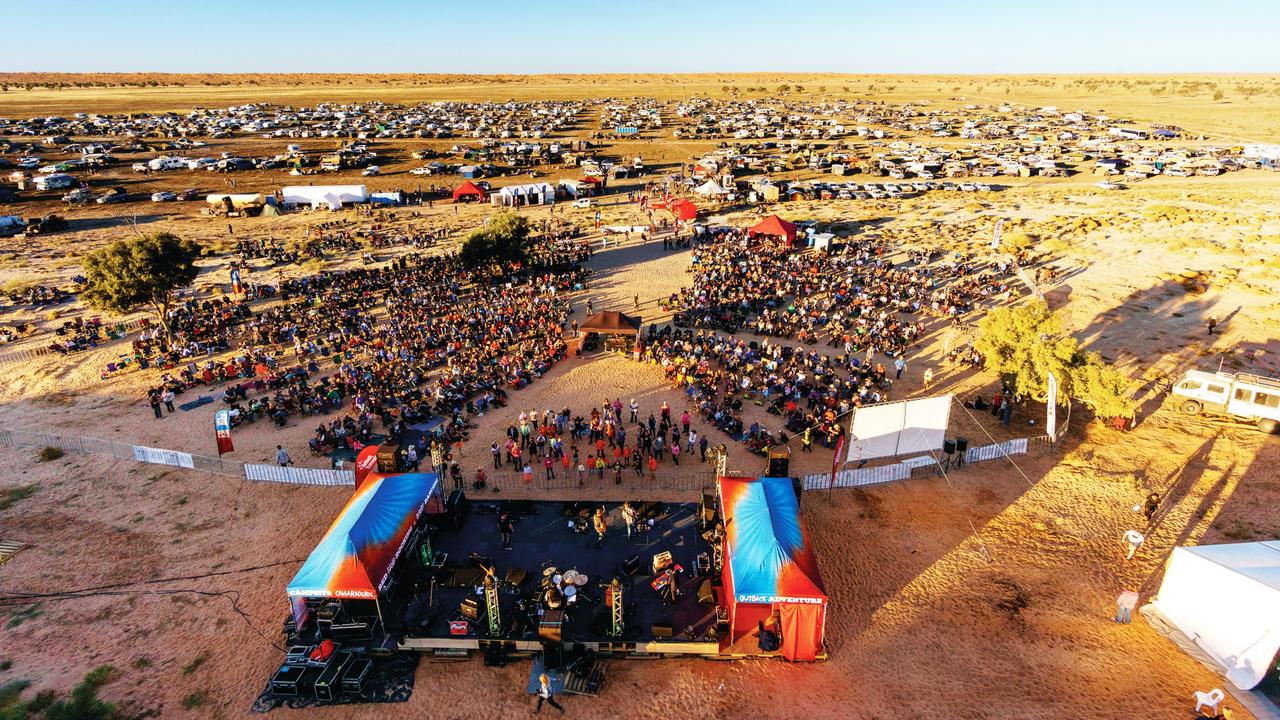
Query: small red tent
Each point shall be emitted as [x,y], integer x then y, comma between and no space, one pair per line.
[469,191]
[775,226]
[684,210]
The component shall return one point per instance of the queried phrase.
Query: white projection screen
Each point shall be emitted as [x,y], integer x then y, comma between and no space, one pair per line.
[899,428]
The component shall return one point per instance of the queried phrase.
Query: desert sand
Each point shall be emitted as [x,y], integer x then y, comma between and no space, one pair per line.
[987,593]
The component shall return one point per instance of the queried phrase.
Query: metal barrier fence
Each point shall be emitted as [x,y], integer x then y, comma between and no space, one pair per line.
[695,479]
[121,451]
[916,466]
[298,476]
[39,345]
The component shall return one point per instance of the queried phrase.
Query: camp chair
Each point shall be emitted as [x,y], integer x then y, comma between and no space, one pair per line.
[1212,698]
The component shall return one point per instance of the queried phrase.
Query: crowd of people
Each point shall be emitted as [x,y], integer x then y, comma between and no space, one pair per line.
[612,438]
[419,338]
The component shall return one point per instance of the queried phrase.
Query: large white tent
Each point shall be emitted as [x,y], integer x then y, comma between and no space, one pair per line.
[710,188]
[1226,599]
[330,196]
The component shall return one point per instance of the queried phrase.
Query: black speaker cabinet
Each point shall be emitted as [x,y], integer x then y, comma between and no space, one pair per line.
[949,447]
[779,462]
[962,444]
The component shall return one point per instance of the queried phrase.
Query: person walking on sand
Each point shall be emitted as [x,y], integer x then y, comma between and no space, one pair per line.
[806,440]
[545,695]
[1211,323]
[928,377]
[899,365]
[1134,540]
[282,456]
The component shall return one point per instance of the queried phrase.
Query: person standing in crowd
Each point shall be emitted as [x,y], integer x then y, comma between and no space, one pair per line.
[411,457]
[282,457]
[550,466]
[806,440]
[167,398]
[653,468]
[899,365]
[1124,606]
[153,398]
[528,474]
[497,455]
[635,408]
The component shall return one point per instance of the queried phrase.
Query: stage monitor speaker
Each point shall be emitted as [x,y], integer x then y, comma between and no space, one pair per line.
[495,654]
[515,576]
[631,565]
[705,593]
[550,628]
[456,506]
[962,444]
[661,631]
[949,447]
[779,461]
[797,485]
[389,458]
[470,609]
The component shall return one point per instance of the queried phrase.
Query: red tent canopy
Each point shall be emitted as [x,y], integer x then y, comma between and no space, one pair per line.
[469,190]
[684,210]
[776,227]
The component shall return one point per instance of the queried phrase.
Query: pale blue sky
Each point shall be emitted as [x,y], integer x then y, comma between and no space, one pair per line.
[911,36]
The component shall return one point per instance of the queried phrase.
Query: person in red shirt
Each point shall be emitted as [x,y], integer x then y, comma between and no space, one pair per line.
[653,468]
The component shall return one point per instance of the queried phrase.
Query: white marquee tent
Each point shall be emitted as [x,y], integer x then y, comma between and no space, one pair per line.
[1226,599]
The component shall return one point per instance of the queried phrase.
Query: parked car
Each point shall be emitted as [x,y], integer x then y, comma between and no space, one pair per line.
[78,195]
[371,170]
[164,196]
[114,195]
[188,194]
[582,203]
[420,171]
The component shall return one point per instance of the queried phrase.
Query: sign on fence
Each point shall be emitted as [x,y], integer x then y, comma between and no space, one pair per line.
[298,476]
[160,456]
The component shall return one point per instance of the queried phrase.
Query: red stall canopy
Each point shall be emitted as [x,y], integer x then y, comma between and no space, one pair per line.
[775,226]
[468,191]
[684,210]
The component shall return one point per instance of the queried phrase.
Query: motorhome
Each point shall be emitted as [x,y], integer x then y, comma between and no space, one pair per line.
[1242,396]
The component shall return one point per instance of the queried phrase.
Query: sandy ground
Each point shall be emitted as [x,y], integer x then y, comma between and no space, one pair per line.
[987,593]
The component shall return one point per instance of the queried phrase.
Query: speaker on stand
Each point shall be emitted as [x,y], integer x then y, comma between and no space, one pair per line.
[962,449]
[949,448]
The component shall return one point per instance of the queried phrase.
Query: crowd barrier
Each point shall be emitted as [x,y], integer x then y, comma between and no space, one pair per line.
[298,476]
[859,477]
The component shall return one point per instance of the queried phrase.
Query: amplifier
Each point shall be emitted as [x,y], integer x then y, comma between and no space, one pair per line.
[470,609]
[458,627]
[551,626]
[388,458]
[660,631]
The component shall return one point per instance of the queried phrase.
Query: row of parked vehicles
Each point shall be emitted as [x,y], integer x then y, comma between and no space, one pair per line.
[119,194]
[878,191]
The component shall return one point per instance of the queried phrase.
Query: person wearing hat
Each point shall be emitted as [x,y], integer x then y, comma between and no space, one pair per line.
[635,408]
[601,525]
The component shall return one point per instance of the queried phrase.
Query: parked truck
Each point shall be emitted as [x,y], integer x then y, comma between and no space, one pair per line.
[1241,396]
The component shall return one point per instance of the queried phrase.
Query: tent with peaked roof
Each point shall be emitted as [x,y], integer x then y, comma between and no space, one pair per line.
[769,565]
[709,188]
[611,322]
[469,191]
[683,210]
[354,559]
[1223,599]
[775,226]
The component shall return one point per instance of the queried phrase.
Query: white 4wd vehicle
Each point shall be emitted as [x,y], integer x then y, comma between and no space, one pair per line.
[1238,395]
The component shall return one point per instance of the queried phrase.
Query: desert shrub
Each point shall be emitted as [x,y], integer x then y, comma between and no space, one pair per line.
[49,454]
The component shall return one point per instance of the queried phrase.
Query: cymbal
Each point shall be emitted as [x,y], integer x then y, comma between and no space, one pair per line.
[570,576]
[548,572]
[580,580]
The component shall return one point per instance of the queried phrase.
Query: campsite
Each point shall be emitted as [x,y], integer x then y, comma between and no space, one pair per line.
[708,395]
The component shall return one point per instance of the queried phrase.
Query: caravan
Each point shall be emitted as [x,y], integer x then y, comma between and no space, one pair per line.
[1242,396]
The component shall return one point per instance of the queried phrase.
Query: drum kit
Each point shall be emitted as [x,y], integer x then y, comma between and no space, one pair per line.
[562,588]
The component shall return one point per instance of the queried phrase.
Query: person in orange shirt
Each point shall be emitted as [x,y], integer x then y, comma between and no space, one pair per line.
[653,468]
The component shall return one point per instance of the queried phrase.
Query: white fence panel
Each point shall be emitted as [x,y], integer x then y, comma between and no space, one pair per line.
[1016,446]
[298,476]
[160,456]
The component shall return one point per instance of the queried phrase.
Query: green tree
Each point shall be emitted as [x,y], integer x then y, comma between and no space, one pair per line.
[1015,242]
[140,272]
[783,89]
[1025,343]
[1104,389]
[505,239]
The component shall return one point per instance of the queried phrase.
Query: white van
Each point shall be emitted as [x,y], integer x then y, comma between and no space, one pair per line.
[1242,396]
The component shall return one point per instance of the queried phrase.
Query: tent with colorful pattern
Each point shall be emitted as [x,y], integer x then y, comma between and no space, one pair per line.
[355,557]
[769,567]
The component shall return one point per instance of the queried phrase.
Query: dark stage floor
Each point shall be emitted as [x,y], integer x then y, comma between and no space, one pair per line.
[542,538]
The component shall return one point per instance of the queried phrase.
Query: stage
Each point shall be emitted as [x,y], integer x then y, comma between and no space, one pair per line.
[421,613]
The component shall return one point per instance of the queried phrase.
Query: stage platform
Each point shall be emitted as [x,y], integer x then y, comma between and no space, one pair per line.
[421,614]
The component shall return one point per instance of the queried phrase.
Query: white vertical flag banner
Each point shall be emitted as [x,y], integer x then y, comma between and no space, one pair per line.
[1051,407]
[995,236]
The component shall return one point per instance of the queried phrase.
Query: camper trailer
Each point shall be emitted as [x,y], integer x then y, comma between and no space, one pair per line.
[54,182]
[1242,396]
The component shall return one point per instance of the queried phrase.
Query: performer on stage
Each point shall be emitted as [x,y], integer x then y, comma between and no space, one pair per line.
[601,524]
[505,528]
